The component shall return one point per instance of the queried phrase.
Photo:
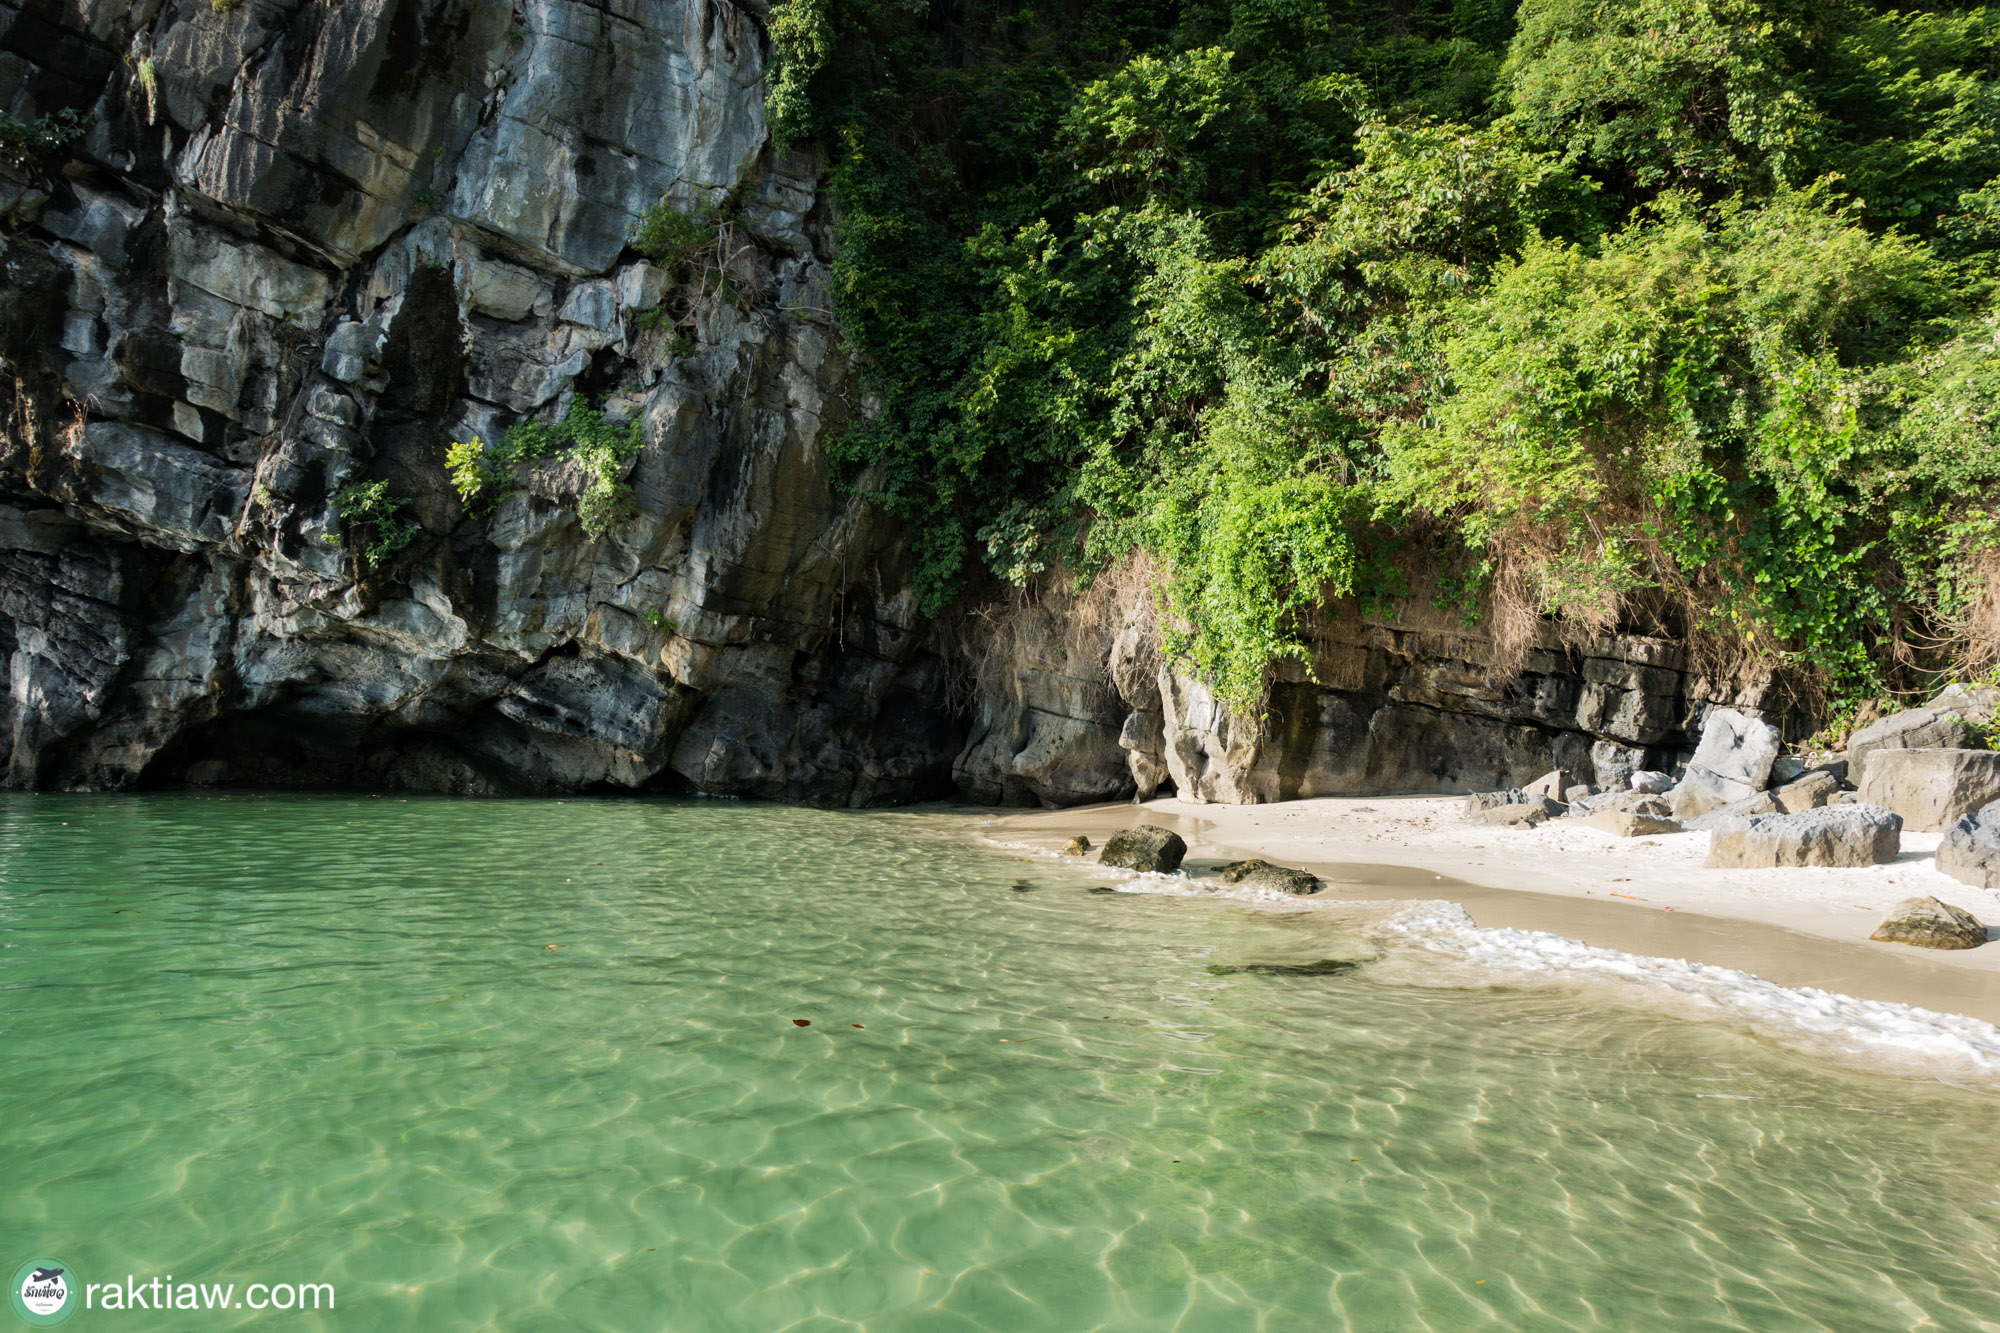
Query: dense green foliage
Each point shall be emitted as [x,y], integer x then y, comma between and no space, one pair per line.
[27,144]
[484,474]
[376,511]
[1673,314]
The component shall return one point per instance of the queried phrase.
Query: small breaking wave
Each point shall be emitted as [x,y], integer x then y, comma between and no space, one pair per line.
[1872,1028]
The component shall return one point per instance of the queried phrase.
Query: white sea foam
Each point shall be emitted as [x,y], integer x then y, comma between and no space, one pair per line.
[1871,1029]
[1862,1027]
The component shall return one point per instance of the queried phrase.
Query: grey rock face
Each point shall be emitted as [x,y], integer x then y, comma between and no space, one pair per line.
[1838,835]
[1148,847]
[322,243]
[1612,764]
[1930,728]
[1048,728]
[1264,875]
[1931,788]
[1731,764]
[1970,850]
[1930,924]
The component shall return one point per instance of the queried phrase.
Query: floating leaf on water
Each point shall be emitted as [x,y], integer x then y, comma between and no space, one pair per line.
[802,1022]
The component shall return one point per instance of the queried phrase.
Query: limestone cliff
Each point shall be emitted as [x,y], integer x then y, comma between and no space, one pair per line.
[1078,704]
[306,245]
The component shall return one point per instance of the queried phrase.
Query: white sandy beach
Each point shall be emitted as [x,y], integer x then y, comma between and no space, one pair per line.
[1648,896]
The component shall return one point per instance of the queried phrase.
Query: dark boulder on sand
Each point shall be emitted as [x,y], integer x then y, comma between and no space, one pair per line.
[1264,875]
[1147,847]
[1930,924]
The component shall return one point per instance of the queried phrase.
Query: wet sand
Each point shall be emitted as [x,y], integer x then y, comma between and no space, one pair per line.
[1649,896]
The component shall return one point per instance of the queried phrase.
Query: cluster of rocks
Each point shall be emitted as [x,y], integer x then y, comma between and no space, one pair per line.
[1923,769]
[1155,850]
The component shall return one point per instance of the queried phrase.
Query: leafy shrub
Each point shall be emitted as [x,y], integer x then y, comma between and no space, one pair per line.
[27,144]
[372,505]
[484,474]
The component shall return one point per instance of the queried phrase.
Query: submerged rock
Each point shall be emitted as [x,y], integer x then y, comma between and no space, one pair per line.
[1835,835]
[1325,967]
[1147,847]
[1076,846]
[1264,875]
[1930,924]
[1971,848]
[1931,788]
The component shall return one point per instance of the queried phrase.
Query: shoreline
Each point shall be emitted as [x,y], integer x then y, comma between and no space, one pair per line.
[1650,897]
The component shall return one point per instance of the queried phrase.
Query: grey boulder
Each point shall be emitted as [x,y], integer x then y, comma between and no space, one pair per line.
[1816,788]
[1971,848]
[1930,924]
[1520,814]
[1651,781]
[1932,728]
[1630,823]
[1732,763]
[1264,875]
[1931,788]
[1763,803]
[1479,802]
[1147,847]
[1552,785]
[1835,835]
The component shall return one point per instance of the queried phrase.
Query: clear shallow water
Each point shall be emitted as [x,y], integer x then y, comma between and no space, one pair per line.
[311,1039]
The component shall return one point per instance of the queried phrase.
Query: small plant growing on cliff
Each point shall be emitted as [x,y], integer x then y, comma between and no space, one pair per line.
[149,84]
[372,503]
[29,143]
[657,619]
[696,251]
[483,474]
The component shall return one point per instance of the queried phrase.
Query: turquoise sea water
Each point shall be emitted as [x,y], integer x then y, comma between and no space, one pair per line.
[326,1039]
